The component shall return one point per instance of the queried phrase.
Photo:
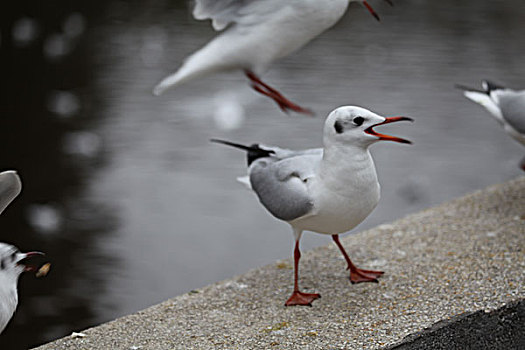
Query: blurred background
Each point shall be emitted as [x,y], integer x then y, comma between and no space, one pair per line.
[131,202]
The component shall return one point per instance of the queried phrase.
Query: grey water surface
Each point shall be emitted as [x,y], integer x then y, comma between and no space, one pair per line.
[134,205]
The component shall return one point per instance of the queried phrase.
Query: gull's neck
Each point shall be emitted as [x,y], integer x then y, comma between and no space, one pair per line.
[339,152]
[353,163]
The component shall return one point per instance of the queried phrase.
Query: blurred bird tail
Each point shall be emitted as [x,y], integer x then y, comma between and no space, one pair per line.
[204,61]
[468,88]
[172,80]
[483,98]
[245,180]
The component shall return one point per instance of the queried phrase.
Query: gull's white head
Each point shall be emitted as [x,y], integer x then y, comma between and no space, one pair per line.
[13,263]
[352,125]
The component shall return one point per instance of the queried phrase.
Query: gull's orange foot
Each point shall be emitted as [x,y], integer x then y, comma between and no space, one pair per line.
[359,275]
[300,298]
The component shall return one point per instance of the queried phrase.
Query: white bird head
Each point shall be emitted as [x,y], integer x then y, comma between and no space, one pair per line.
[355,125]
[13,263]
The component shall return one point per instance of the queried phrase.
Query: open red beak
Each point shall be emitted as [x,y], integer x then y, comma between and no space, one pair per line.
[388,120]
[372,12]
[28,255]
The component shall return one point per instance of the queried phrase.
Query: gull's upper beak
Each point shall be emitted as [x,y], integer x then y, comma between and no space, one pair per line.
[372,12]
[388,120]
[22,257]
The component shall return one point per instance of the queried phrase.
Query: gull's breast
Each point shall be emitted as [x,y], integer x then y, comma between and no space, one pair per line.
[341,210]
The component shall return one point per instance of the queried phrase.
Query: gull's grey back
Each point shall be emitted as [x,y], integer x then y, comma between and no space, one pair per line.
[512,105]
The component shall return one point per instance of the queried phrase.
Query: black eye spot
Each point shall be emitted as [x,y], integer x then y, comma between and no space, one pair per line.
[358,121]
[2,264]
[13,256]
[338,127]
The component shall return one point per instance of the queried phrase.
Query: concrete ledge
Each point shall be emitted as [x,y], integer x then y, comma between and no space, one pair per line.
[465,257]
[502,329]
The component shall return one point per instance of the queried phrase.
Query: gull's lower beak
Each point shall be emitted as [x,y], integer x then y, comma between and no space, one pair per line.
[388,120]
[372,12]
[25,256]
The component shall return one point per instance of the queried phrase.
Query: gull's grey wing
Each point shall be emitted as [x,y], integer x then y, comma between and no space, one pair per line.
[512,105]
[281,184]
[224,12]
[10,187]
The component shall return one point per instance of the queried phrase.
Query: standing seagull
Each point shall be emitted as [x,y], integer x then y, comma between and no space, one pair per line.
[507,106]
[12,261]
[327,190]
[257,32]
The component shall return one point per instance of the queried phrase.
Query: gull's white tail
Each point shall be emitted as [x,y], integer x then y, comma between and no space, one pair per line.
[487,102]
[211,58]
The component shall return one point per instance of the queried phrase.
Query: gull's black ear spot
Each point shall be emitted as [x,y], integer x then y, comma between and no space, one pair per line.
[338,127]
[358,121]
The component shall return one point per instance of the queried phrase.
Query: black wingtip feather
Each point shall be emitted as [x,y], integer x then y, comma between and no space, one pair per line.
[232,144]
[468,88]
[490,86]
[254,152]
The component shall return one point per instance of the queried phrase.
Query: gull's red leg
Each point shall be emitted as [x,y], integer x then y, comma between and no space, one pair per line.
[260,90]
[265,89]
[357,275]
[299,298]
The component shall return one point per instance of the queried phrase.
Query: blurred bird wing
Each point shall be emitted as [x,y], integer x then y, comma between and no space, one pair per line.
[10,187]
[224,12]
[282,184]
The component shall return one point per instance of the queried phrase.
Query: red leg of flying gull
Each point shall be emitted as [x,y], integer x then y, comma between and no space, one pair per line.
[265,89]
[357,275]
[280,103]
[299,298]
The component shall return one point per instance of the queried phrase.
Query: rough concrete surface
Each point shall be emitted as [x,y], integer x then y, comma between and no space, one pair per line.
[503,329]
[465,256]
